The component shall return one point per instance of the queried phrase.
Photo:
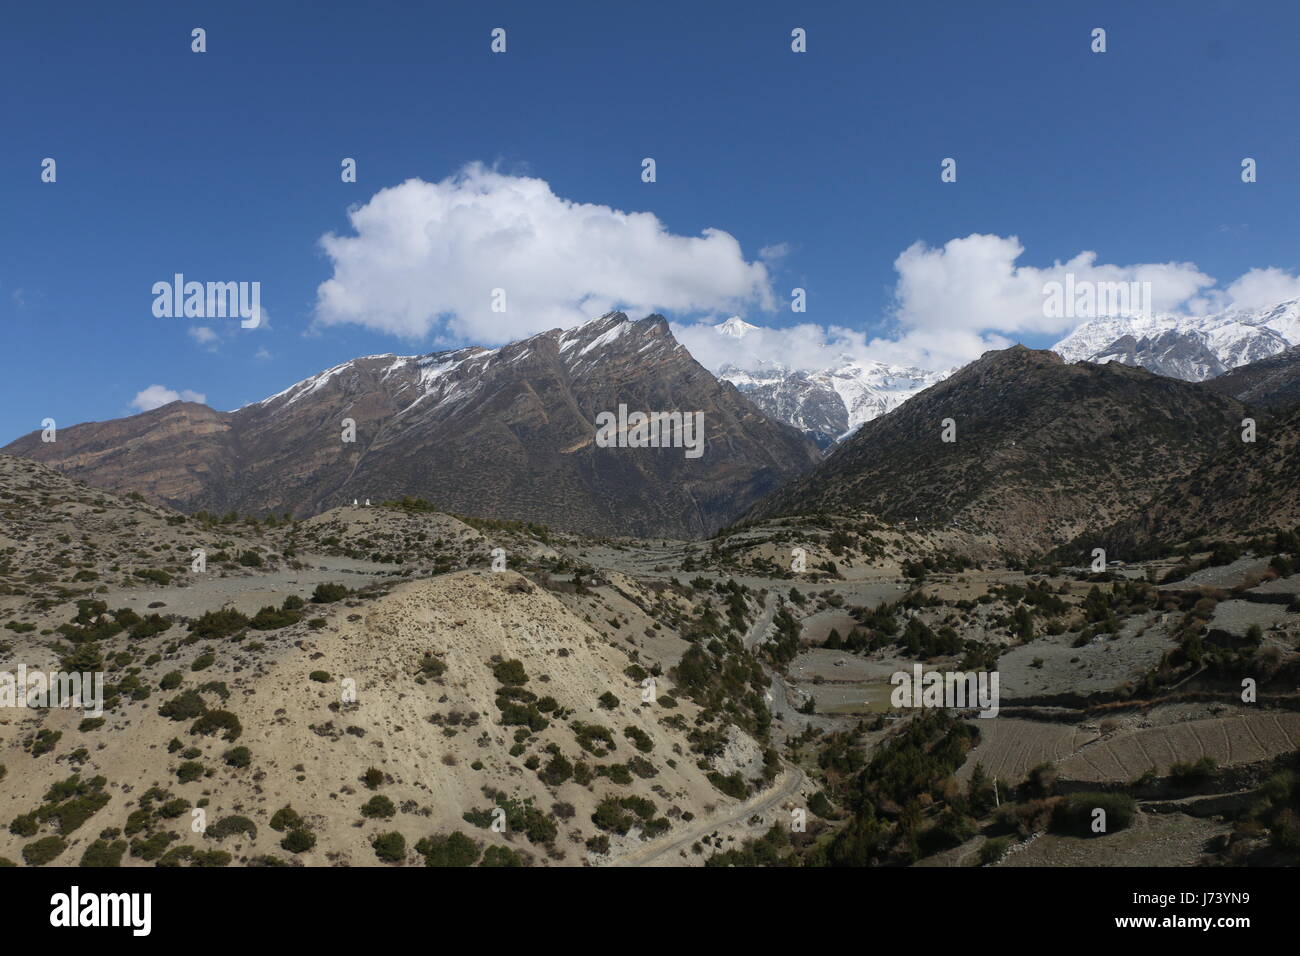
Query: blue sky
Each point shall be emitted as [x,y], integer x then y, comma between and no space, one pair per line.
[225,165]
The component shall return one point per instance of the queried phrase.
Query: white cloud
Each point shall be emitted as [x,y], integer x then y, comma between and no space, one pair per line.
[156,396]
[805,346]
[426,258]
[1261,288]
[204,336]
[955,302]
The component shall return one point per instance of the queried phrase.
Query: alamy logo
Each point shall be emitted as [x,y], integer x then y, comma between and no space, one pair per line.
[956,690]
[103,909]
[1086,299]
[651,430]
[55,689]
[212,300]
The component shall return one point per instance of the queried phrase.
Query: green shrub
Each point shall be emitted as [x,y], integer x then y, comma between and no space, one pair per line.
[593,738]
[286,818]
[992,850]
[328,593]
[271,619]
[378,806]
[501,856]
[45,741]
[42,851]
[390,847]
[1075,813]
[218,624]
[232,826]
[71,802]
[184,706]
[510,673]
[557,770]
[298,841]
[102,853]
[639,738]
[733,785]
[153,846]
[215,721]
[455,849]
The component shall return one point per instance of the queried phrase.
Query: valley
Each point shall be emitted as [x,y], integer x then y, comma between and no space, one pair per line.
[361,688]
[516,627]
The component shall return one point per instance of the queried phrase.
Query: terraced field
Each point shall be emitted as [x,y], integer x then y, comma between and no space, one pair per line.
[1229,740]
[1009,747]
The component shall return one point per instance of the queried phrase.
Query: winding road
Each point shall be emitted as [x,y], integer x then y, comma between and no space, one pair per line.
[670,844]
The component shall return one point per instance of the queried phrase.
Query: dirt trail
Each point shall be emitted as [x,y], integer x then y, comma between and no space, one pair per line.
[758,630]
[669,844]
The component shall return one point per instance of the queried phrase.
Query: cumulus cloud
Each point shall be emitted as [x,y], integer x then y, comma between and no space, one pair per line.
[1261,288]
[954,302]
[426,258]
[156,396]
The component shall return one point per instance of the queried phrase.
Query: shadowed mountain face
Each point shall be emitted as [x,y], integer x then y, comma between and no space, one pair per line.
[1250,487]
[1272,383]
[1043,451]
[505,433]
[1247,489]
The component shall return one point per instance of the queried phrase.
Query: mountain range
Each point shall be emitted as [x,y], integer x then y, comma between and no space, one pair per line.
[1023,449]
[1193,348]
[829,403]
[1046,450]
[501,433]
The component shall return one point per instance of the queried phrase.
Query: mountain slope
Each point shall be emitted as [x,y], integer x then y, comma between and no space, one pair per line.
[1247,489]
[505,433]
[1272,383]
[1043,450]
[1194,348]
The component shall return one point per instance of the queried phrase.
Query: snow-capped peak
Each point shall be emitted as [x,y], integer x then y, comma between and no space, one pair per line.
[1188,347]
[828,402]
[736,327]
